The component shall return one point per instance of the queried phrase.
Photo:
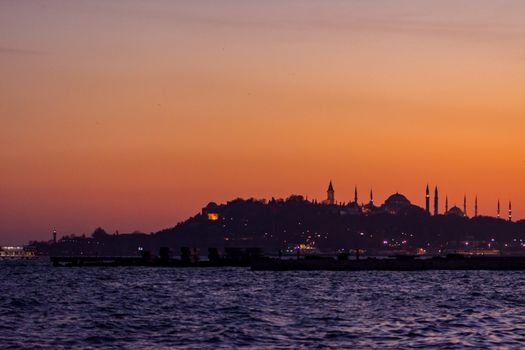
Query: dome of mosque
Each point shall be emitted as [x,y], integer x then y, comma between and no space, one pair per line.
[396,204]
[455,211]
[212,205]
[398,200]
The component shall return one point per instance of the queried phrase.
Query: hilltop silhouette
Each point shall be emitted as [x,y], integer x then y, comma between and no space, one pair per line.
[280,224]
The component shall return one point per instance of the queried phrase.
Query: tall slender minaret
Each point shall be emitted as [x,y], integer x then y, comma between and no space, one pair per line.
[446,204]
[330,194]
[54,236]
[355,194]
[476,206]
[427,201]
[510,211]
[371,197]
[436,201]
[498,209]
[465,205]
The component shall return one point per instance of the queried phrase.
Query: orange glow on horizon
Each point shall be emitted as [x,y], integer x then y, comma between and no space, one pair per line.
[133,116]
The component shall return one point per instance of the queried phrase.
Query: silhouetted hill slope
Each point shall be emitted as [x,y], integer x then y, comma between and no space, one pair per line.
[281,224]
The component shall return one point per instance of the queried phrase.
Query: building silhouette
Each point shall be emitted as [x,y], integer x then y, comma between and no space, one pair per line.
[369,208]
[436,201]
[427,200]
[455,210]
[330,194]
[397,204]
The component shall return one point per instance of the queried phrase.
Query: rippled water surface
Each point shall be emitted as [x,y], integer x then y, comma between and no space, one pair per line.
[155,308]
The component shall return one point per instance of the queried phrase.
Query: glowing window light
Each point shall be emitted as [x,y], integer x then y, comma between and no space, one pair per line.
[213,216]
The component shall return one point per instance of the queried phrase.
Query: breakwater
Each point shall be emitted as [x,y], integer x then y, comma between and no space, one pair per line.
[399,263]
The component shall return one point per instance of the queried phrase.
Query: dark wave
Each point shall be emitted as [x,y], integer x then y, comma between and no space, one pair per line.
[161,308]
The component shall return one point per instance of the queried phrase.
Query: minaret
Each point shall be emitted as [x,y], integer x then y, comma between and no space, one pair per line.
[371,197]
[330,194]
[427,201]
[55,236]
[446,204]
[465,205]
[510,211]
[355,194]
[436,201]
[498,209]
[476,206]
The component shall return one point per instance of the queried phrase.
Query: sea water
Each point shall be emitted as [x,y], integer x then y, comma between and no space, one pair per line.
[46,307]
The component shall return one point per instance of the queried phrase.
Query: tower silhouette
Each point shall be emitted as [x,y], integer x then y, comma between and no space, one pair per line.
[330,194]
[476,206]
[446,204]
[465,205]
[510,211]
[427,201]
[436,201]
[371,197]
[498,210]
[355,194]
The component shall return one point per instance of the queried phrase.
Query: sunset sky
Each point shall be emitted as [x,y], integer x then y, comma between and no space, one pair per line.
[132,115]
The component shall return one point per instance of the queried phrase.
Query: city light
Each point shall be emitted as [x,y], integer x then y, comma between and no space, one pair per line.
[213,216]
